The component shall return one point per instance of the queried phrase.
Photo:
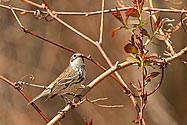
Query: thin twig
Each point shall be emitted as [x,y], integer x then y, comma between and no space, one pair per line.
[172,58]
[102,22]
[101,105]
[159,84]
[26,97]
[39,36]
[45,2]
[20,83]
[54,15]
[182,20]
[33,3]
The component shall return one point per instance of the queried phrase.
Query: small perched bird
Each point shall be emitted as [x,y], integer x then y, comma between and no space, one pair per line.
[68,81]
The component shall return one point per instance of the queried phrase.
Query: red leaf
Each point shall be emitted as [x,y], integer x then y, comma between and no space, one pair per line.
[115,30]
[131,48]
[138,3]
[158,23]
[118,15]
[134,1]
[152,55]
[88,123]
[132,12]
[132,39]
[141,3]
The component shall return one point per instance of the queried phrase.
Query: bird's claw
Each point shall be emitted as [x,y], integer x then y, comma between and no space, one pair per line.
[19,85]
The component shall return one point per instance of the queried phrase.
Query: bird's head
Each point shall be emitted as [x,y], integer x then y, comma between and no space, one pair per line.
[77,60]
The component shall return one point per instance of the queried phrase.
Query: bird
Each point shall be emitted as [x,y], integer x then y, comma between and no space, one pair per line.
[68,81]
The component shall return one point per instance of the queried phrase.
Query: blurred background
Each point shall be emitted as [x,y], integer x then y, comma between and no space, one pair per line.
[22,54]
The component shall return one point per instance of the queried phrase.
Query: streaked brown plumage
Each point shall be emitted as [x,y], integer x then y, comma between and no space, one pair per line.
[68,81]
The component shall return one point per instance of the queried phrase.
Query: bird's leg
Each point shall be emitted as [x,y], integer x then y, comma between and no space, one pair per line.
[67,101]
[19,85]
[82,86]
[72,102]
[77,96]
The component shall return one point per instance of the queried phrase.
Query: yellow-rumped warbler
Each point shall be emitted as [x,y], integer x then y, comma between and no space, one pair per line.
[68,81]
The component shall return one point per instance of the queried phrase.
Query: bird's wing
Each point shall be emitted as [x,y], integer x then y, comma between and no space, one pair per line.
[63,81]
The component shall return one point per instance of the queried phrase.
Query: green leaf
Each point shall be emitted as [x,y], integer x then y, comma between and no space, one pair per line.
[131,48]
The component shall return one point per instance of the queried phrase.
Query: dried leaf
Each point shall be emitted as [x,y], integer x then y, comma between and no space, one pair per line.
[131,48]
[151,76]
[144,31]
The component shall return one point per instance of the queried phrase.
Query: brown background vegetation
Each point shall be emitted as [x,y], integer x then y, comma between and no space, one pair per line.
[22,54]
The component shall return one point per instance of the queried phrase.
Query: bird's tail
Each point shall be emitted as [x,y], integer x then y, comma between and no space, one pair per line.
[44,93]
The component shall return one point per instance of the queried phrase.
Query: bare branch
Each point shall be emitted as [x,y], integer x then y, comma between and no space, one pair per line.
[101,105]
[26,97]
[33,3]
[102,22]
[167,41]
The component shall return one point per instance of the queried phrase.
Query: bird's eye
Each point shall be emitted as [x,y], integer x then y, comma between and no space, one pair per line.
[74,56]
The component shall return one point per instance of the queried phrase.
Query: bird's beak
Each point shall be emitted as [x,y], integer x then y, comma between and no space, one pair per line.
[81,55]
